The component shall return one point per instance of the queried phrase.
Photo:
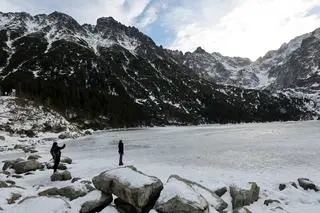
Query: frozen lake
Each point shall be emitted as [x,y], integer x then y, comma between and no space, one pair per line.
[256,150]
[213,155]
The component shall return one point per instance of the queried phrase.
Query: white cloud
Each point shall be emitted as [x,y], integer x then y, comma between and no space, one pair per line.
[251,29]
[125,11]
[247,28]
[150,15]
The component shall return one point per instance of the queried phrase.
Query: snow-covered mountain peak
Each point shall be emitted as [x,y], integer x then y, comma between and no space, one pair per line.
[64,20]
[199,50]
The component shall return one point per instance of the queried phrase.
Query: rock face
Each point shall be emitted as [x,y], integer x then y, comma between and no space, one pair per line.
[71,192]
[181,195]
[130,185]
[61,176]
[306,184]
[243,197]
[96,205]
[26,166]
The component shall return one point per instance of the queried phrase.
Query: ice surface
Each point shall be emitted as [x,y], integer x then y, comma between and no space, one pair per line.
[212,155]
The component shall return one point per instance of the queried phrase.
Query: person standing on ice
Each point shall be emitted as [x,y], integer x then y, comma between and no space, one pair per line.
[121,152]
[56,154]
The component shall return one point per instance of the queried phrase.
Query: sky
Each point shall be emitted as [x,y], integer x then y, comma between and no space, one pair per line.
[246,28]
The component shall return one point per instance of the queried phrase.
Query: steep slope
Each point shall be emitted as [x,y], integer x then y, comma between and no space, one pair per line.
[217,68]
[294,64]
[292,69]
[110,74]
[301,67]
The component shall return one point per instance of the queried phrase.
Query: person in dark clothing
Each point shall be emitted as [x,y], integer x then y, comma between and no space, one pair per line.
[56,154]
[121,152]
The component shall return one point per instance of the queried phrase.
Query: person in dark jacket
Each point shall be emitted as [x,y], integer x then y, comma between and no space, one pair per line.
[121,152]
[56,154]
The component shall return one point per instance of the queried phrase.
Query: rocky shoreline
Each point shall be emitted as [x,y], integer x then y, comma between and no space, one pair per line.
[128,190]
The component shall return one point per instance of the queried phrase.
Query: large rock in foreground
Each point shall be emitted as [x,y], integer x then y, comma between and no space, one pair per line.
[26,166]
[130,185]
[181,195]
[244,197]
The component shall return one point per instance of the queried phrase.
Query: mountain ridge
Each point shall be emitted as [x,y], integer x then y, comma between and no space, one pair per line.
[110,74]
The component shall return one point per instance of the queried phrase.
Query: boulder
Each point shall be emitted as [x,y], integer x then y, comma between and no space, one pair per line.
[283,186]
[88,132]
[182,195]
[306,184]
[2,138]
[124,207]
[8,163]
[49,165]
[25,148]
[75,179]
[66,160]
[11,182]
[61,176]
[3,184]
[244,197]
[66,135]
[86,181]
[33,157]
[71,192]
[220,192]
[269,201]
[14,197]
[242,210]
[61,166]
[96,205]
[130,185]
[179,197]
[26,166]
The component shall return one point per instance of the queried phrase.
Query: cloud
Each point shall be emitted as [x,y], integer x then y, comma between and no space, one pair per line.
[125,11]
[246,28]
[250,29]
[315,11]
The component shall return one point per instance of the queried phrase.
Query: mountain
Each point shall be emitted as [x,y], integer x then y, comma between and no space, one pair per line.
[294,64]
[293,69]
[109,74]
[217,68]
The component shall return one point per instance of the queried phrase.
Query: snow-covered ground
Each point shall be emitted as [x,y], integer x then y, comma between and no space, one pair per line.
[213,155]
